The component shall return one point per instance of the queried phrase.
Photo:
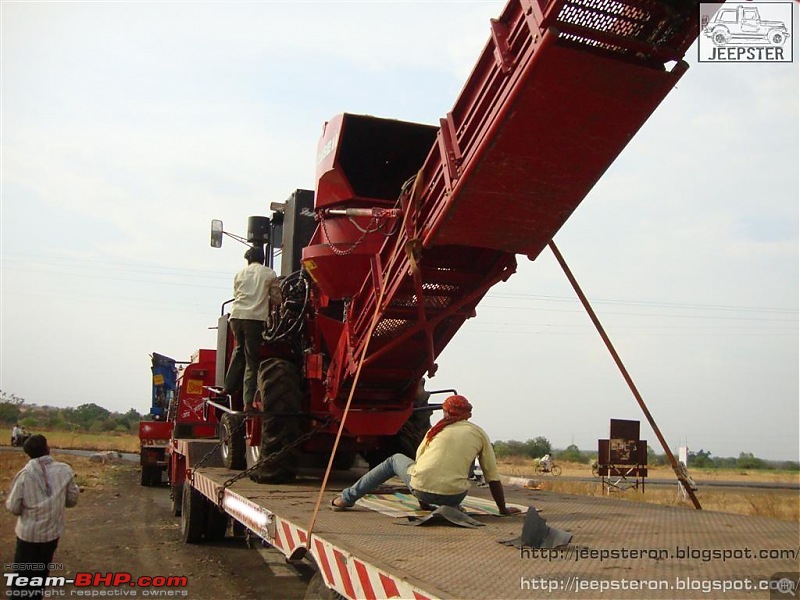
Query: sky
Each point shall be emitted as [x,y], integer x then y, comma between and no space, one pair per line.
[127,126]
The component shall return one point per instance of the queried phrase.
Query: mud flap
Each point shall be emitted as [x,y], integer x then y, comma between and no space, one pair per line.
[537,534]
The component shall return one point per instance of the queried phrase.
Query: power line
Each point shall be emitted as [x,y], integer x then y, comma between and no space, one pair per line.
[677,305]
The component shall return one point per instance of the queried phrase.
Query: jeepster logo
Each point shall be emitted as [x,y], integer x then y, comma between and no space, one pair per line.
[746,32]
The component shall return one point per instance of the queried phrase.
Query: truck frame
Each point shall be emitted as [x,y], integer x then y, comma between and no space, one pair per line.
[622,549]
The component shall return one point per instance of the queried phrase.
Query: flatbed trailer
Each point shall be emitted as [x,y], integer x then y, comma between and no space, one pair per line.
[620,549]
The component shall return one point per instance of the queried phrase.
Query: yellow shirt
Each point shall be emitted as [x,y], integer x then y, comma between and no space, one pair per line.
[442,467]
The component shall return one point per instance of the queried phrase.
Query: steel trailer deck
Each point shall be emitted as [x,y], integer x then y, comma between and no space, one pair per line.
[631,549]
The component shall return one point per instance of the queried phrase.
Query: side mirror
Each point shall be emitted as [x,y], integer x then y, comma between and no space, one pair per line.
[216,233]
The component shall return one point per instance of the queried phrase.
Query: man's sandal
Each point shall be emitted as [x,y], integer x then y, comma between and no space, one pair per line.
[338,508]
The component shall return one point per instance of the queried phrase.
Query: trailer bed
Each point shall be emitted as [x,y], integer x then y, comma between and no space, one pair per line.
[619,549]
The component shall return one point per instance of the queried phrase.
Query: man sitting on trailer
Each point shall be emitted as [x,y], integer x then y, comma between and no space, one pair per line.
[252,288]
[439,476]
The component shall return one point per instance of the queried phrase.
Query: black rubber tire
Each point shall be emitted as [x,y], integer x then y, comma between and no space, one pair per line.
[408,438]
[317,590]
[232,442]
[193,515]
[155,476]
[216,523]
[238,530]
[281,390]
[146,476]
[720,37]
[555,470]
[177,500]
[344,461]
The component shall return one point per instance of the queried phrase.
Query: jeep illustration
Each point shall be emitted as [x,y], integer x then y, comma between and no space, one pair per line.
[743,24]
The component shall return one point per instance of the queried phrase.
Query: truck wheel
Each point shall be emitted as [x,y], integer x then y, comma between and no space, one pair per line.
[155,476]
[721,37]
[317,590]
[232,442]
[177,499]
[193,515]
[777,38]
[146,476]
[238,530]
[281,390]
[216,522]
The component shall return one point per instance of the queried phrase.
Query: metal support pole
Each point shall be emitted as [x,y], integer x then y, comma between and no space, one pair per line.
[593,316]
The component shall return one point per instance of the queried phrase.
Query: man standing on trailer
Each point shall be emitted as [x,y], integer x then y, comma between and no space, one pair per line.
[252,288]
[439,476]
[39,493]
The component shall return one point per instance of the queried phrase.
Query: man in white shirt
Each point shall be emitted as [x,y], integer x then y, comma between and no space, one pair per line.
[546,461]
[252,288]
[16,432]
[39,493]
[440,474]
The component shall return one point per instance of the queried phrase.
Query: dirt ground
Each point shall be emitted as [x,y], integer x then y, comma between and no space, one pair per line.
[123,526]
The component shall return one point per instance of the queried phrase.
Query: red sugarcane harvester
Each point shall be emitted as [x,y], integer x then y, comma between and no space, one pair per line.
[410,225]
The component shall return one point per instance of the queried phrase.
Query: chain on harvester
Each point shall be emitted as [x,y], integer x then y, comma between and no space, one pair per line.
[214,449]
[376,225]
[270,458]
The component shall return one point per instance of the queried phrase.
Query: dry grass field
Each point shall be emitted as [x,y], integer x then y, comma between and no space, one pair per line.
[772,503]
[90,476]
[518,467]
[122,442]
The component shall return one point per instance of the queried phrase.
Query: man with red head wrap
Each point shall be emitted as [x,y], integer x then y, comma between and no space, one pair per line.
[439,475]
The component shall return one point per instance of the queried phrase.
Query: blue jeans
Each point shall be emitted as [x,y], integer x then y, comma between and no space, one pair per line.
[396,465]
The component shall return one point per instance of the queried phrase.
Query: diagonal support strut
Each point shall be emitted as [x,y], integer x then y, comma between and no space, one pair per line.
[679,473]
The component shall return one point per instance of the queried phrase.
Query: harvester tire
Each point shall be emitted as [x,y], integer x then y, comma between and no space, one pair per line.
[281,389]
[193,515]
[344,461]
[232,442]
[408,438]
